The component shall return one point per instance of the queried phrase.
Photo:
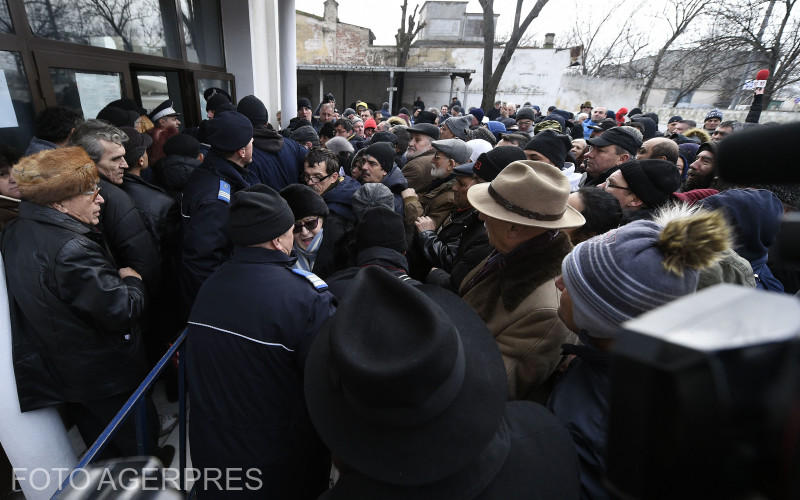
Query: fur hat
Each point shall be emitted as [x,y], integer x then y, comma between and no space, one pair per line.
[55,175]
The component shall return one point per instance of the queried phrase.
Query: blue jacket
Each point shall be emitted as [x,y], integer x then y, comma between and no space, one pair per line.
[37,145]
[204,210]
[755,215]
[277,160]
[580,401]
[586,130]
[396,183]
[340,198]
[248,336]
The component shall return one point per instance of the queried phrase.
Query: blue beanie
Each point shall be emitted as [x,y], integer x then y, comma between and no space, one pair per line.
[477,113]
[496,128]
[229,131]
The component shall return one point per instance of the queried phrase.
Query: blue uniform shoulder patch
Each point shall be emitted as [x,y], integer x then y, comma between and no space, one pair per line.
[224,193]
[315,280]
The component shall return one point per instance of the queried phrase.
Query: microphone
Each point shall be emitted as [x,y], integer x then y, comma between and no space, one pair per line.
[760,154]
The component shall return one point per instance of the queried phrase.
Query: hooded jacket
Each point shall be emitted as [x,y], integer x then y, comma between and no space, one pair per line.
[396,182]
[74,320]
[173,171]
[755,215]
[277,160]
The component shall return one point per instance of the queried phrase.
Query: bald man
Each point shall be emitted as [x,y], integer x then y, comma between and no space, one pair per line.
[658,148]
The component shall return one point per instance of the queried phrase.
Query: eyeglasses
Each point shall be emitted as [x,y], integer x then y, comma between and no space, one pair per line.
[93,192]
[609,185]
[310,225]
[314,179]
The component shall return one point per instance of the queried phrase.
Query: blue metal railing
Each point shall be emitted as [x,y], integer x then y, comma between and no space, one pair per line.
[137,400]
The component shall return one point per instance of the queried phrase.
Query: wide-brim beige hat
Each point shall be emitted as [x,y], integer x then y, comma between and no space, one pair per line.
[528,193]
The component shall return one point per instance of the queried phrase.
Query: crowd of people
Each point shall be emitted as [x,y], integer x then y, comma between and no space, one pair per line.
[426,300]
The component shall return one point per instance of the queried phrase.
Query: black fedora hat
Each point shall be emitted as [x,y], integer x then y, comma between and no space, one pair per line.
[409,395]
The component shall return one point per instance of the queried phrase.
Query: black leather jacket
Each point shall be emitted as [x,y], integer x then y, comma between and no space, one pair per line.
[73,319]
[459,245]
[158,210]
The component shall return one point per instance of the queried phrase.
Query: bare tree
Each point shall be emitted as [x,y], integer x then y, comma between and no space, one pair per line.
[774,45]
[404,38]
[683,12]
[585,32]
[491,79]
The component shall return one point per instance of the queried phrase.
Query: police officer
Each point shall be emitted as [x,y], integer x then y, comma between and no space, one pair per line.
[249,331]
[206,199]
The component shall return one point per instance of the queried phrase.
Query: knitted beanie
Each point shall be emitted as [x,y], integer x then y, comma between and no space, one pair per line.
[304,201]
[623,273]
[490,163]
[381,227]
[459,125]
[258,214]
[370,195]
[252,107]
[552,145]
[653,181]
[383,152]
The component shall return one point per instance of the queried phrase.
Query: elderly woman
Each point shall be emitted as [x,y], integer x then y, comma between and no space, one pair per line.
[74,314]
[319,240]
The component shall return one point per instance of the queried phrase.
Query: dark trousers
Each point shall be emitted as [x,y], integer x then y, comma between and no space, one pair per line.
[92,417]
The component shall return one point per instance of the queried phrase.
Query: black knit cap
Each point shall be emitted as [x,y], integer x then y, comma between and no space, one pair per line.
[258,214]
[552,145]
[304,201]
[425,117]
[217,101]
[383,137]
[252,107]
[490,163]
[525,113]
[229,131]
[653,181]
[304,102]
[117,116]
[384,153]
[381,227]
[182,145]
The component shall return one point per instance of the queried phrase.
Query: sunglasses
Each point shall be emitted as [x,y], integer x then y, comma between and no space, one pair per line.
[310,225]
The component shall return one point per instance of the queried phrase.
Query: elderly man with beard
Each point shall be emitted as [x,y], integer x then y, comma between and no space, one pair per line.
[417,169]
[436,201]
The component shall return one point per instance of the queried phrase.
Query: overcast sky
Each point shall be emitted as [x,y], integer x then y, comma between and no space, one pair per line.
[558,16]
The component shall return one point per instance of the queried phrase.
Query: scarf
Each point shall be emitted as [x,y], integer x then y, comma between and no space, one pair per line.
[307,257]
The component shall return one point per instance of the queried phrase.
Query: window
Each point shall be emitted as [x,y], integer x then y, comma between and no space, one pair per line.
[201,31]
[129,25]
[85,91]
[207,83]
[669,97]
[156,87]
[16,104]
[473,28]
[6,26]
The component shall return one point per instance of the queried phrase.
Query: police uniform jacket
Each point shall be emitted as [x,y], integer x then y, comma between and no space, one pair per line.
[204,211]
[249,332]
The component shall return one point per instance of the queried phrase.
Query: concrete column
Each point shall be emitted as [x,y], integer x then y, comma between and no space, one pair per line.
[288,58]
[391,87]
[467,81]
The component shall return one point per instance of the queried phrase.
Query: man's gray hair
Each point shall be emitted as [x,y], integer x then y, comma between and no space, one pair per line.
[89,134]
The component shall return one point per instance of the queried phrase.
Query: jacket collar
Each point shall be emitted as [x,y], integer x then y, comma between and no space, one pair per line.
[227,169]
[135,179]
[383,257]
[260,255]
[49,215]
[529,266]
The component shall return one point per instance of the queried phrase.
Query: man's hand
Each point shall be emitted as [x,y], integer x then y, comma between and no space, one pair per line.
[408,193]
[124,272]
[424,223]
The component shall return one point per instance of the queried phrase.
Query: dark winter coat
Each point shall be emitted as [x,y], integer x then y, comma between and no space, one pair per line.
[173,171]
[396,183]
[580,401]
[158,210]
[73,319]
[277,160]
[340,198]
[249,334]
[204,211]
[127,236]
[387,258]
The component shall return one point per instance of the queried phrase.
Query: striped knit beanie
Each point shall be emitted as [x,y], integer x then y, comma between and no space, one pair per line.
[623,273]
